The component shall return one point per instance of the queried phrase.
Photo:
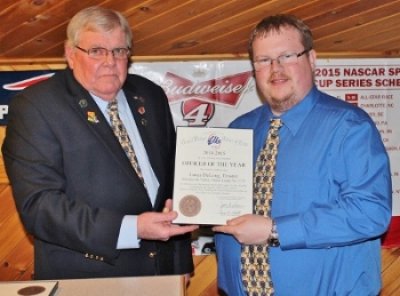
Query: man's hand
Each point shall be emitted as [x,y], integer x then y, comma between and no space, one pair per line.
[158,226]
[248,229]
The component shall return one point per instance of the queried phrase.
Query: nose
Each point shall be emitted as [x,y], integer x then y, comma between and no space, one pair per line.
[275,62]
[275,65]
[109,58]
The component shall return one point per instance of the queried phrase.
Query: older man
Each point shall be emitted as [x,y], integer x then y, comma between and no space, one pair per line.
[90,155]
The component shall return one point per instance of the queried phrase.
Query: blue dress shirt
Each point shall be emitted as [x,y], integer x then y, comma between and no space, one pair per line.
[331,203]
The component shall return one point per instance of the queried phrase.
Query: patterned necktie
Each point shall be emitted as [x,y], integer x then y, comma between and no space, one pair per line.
[122,136]
[254,259]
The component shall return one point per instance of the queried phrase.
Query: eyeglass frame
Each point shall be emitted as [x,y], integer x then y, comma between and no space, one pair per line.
[258,67]
[106,52]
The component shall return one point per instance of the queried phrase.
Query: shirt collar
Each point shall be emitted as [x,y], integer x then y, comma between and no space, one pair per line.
[294,117]
[102,104]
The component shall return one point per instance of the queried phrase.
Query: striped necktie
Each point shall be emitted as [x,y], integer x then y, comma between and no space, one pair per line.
[254,258]
[123,138]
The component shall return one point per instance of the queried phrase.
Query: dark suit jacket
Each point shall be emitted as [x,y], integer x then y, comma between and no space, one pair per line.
[73,183]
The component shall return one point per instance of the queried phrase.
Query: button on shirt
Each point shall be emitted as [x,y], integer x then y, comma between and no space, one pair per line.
[128,233]
[332,201]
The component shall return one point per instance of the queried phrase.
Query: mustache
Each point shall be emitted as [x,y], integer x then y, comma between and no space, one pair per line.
[278,75]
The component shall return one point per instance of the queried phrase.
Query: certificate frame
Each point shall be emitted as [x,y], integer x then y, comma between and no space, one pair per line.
[213,179]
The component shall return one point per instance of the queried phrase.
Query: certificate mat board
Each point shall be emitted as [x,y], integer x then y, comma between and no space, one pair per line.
[29,288]
[213,179]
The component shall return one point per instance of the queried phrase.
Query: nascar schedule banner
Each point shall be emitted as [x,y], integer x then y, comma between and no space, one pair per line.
[213,93]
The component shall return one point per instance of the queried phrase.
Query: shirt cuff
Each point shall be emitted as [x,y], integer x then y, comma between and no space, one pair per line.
[128,238]
[291,235]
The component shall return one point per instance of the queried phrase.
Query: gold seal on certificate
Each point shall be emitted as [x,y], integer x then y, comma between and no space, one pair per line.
[213,175]
[190,205]
[31,290]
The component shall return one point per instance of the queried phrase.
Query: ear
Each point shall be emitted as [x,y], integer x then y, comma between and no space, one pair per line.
[69,55]
[312,57]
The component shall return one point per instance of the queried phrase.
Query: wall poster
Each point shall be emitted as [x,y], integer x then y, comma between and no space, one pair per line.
[213,93]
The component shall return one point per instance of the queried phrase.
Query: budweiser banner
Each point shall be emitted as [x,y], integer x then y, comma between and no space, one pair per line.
[213,93]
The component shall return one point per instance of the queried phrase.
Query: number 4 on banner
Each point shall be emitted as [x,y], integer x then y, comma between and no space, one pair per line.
[196,112]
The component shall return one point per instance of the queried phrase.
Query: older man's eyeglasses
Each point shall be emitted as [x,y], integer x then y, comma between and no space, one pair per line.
[285,59]
[101,52]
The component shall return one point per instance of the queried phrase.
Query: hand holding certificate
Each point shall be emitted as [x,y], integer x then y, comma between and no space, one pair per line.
[213,175]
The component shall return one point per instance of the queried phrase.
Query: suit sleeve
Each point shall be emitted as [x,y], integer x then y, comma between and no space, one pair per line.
[34,163]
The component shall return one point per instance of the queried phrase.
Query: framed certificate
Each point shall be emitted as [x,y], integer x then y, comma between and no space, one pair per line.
[213,179]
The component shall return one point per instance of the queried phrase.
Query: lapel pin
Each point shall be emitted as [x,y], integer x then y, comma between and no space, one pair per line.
[91,117]
[83,103]
[141,110]
[140,98]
